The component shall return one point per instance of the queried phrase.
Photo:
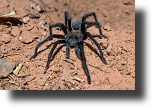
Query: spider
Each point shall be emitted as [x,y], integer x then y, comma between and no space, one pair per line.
[74,37]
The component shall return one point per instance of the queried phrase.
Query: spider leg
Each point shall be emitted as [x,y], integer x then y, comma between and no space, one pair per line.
[98,46]
[77,52]
[47,39]
[51,52]
[67,50]
[84,63]
[58,25]
[84,18]
[87,15]
[67,17]
[95,23]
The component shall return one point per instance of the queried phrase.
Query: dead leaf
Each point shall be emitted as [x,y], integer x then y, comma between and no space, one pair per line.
[14,20]
[10,14]
[16,71]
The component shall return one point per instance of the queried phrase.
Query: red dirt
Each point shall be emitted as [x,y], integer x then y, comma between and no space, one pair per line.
[118,23]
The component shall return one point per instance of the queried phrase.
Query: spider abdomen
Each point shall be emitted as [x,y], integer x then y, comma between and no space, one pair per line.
[74,37]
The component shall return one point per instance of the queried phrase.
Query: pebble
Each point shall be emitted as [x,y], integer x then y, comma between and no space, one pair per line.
[39,8]
[6,67]
[33,6]
[42,23]
[44,34]
[26,20]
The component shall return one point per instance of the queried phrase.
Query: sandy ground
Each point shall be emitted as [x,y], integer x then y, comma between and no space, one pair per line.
[18,42]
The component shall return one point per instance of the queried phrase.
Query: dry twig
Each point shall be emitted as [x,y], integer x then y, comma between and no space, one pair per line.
[96,66]
[5,55]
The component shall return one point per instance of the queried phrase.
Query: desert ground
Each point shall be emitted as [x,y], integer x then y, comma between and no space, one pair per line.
[29,25]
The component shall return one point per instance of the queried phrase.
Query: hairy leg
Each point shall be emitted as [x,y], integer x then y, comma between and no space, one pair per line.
[87,15]
[91,23]
[98,46]
[84,18]
[97,24]
[47,39]
[84,63]
[67,51]
[77,52]
[67,17]
[58,25]
[51,52]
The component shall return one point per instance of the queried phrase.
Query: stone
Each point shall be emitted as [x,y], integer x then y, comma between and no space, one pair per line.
[26,19]
[6,67]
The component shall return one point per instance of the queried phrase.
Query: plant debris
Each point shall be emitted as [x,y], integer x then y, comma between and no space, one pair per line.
[75,78]
[16,71]
[9,19]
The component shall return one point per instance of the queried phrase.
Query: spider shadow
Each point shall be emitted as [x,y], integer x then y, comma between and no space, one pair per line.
[92,48]
[54,53]
[58,49]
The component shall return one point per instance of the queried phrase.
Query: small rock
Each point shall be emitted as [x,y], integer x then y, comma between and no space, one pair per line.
[33,6]
[26,20]
[44,34]
[57,86]
[77,88]
[6,67]
[39,8]
[42,23]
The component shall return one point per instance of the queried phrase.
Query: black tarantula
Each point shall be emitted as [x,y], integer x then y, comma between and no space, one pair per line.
[73,38]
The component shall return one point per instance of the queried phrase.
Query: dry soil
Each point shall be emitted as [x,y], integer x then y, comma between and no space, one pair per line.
[18,42]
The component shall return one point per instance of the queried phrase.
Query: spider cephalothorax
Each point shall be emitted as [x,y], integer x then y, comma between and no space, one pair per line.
[73,38]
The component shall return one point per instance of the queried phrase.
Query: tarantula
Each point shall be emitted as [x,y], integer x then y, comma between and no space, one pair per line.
[73,38]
